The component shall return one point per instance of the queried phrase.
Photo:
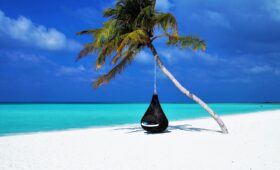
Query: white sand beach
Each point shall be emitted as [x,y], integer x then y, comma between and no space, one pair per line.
[253,144]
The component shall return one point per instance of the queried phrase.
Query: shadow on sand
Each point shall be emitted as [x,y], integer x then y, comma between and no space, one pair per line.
[171,128]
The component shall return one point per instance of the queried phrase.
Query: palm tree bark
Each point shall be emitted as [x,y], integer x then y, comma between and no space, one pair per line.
[187,92]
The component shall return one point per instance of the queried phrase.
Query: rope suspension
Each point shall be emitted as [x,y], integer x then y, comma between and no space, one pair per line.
[155,76]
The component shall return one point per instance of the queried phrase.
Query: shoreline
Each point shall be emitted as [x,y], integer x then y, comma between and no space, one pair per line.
[252,143]
[129,124]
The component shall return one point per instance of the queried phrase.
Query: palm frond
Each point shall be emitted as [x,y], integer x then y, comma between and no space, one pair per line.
[100,61]
[93,31]
[109,12]
[117,57]
[101,37]
[166,21]
[106,33]
[144,19]
[128,58]
[138,36]
[87,50]
[186,42]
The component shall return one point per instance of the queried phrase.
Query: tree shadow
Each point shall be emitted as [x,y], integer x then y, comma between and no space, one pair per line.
[189,128]
[171,128]
[134,129]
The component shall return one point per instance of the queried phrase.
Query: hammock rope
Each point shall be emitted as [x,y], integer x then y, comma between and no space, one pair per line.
[155,76]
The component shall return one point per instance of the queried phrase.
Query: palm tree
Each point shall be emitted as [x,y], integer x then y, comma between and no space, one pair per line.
[131,27]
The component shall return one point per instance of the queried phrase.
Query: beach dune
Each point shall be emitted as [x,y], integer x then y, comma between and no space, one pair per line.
[253,143]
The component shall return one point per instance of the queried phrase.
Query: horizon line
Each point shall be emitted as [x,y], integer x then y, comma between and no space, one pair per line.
[87,102]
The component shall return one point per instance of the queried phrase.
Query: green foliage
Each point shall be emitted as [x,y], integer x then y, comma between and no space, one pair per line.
[186,42]
[130,27]
[127,59]
[166,21]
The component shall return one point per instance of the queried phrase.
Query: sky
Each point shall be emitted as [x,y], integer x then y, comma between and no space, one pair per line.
[38,46]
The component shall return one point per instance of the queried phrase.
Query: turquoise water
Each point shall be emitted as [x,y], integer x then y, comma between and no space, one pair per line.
[25,118]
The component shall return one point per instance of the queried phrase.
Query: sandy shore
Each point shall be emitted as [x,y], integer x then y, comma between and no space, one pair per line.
[253,143]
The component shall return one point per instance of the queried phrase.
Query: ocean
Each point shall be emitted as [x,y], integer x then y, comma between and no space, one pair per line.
[30,118]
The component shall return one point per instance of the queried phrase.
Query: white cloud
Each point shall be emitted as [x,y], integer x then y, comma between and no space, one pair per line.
[70,71]
[260,69]
[212,18]
[246,66]
[163,5]
[24,31]
[210,58]
[144,57]
[277,72]
[80,73]
[273,7]
[174,55]
[23,58]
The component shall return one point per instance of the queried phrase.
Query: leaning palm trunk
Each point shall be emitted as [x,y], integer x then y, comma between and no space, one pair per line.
[188,93]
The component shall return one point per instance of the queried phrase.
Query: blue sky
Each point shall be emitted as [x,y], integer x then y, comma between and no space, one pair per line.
[38,46]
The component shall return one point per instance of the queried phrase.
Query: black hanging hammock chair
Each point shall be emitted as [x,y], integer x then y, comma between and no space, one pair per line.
[154,119]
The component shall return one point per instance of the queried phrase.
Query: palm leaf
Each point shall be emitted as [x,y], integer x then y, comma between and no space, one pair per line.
[109,12]
[87,32]
[117,57]
[87,50]
[106,51]
[101,37]
[138,36]
[166,21]
[128,58]
[186,42]
[144,19]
